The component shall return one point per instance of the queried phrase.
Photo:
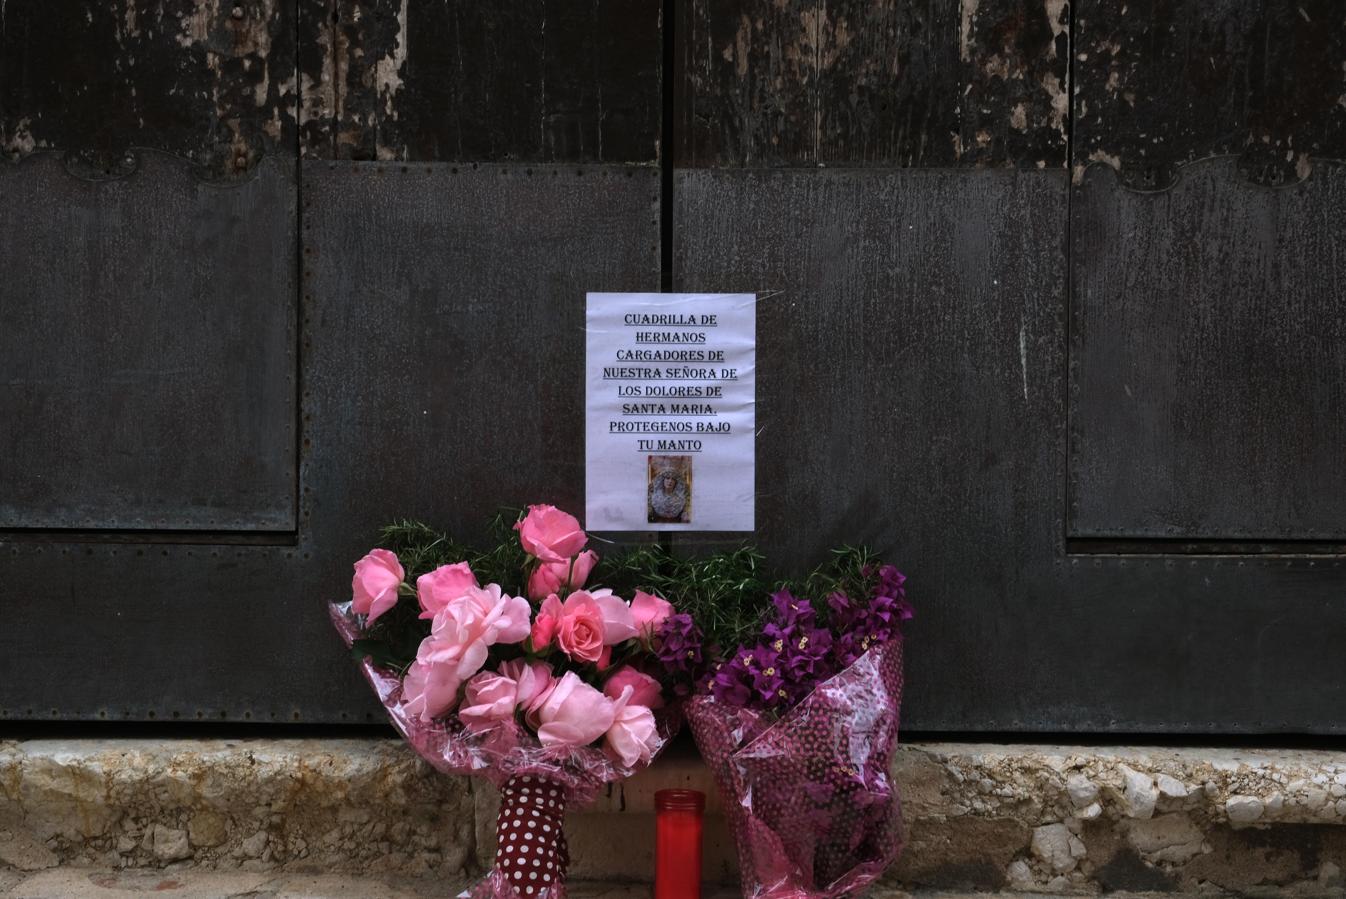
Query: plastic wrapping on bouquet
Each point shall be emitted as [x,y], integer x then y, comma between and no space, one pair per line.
[808,796]
[529,775]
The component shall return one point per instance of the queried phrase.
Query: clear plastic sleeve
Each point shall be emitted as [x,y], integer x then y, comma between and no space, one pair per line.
[808,796]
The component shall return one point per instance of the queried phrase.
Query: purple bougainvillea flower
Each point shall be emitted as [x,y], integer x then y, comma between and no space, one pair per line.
[733,682]
[806,655]
[792,611]
[678,644]
[891,581]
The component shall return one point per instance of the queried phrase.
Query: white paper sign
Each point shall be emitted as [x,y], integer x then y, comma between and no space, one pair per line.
[671,411]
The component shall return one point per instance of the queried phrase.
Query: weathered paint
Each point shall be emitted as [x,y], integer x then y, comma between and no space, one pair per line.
[399,81]
[802,82]
[1164,82]
[213,81]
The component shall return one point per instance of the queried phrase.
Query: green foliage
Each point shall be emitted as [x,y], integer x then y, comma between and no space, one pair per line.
[727,593]
[852,570]
[421,548]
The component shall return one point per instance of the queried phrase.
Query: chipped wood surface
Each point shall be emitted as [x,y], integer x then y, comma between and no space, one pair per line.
[1164,82]
[799,82]
[462,81]
[213,81]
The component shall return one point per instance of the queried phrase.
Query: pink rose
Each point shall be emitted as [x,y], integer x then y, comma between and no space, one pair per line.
[573,713]
[559,577]
[499,617]
[550,534]
[618,625]
[374,587]
[455,646]
[584,564]
[579,632]
[531,679]
[463,629]
[545,624]
[632,738]
[649,613]
[546,579]
[645,690]
[445,583]
[430,690]
[488,699]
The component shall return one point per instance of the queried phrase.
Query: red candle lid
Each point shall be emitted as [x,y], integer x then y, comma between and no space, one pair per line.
[680,800]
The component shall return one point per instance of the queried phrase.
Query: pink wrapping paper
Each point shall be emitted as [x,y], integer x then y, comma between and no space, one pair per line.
[808,796]
[507,752]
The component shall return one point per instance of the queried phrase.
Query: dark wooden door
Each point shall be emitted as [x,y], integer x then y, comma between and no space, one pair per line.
[1054,318]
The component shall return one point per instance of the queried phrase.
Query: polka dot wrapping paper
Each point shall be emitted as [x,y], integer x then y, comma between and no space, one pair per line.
[531,856]
[808,796]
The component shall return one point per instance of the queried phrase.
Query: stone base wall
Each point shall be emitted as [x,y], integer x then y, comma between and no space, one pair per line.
[979,816]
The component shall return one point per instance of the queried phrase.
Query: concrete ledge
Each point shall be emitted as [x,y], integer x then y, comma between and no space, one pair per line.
[1033,818]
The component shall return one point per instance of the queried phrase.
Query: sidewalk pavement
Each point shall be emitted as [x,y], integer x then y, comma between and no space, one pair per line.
[92,883]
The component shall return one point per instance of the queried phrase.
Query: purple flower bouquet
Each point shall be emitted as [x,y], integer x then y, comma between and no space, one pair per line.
[799,730]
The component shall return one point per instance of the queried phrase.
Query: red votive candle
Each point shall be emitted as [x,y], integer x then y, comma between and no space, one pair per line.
[677,844]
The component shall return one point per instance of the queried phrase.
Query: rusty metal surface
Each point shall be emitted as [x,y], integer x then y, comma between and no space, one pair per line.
[214,82]
[472,81]
[147,347]
[1208,357]
[1165,82]
[799,82]
[912,395]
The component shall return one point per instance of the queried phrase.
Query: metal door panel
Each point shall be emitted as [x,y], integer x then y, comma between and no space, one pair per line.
[147,347]
[917,403]
[1208,357]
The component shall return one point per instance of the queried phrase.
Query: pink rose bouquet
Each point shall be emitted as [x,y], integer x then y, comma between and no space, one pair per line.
[510,665]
